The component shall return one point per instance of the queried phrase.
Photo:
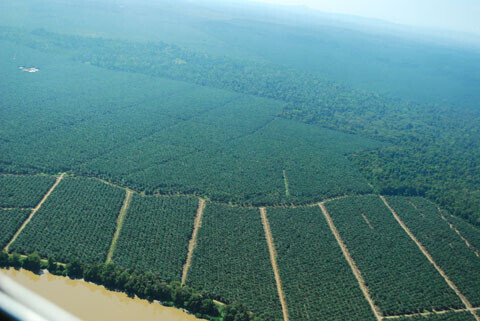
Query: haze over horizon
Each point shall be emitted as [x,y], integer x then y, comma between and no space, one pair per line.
[447,15]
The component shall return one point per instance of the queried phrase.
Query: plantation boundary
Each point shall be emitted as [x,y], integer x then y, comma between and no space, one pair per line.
[35,210]
[120,220]
[197,224]
[392,317]
[290,205]
[465,301]
[345,251]
[351,262]
[273,259]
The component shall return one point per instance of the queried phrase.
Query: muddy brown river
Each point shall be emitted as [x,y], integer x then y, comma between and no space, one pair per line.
[92,302]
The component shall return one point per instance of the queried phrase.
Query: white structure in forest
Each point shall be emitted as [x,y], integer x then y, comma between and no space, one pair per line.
[31,69]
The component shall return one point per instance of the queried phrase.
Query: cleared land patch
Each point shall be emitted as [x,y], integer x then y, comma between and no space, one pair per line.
[120,220]
[192,244]
[318,282]
[76,221]
[155,235]
[273,259]
[399,277]
[232,260]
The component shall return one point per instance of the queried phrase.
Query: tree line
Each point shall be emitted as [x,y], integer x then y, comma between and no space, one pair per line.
[146,285]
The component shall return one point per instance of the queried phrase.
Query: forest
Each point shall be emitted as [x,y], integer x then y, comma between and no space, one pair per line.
[153,157]
[76,221]
[170,137]
[446,246]
[23,191]
[231,260]
[450,316]
[400,278]
[10,221]
[317,280]
[433,149]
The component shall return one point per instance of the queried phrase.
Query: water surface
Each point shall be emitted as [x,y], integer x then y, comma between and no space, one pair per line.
[92,302]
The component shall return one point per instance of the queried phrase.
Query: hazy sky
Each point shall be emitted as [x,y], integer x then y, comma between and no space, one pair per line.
[455,15]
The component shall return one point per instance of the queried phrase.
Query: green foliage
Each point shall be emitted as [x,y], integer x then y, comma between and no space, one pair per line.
[15,260]
[194,142]
[145,285]
[400,278]
[449,316]
[441,171]
[155,235]
[76,221]
[469,232]
[448,250]
[168,137]
[231,260]
[240,169]
[23,191]
[318,282]
[3,258]
[237,313]
[10,222]
[55,268]
[75,269]
[32,262]
[436,147]
[312,157]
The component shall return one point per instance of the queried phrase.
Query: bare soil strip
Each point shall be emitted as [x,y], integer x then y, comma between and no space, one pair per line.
[459,234]
[416,208]
[285,181]
[273,259]
[23,256]
[351,262]
[120,220]
[306,311]
[35,210]
[425,314]
[368,222]
[465,301]
[197,224]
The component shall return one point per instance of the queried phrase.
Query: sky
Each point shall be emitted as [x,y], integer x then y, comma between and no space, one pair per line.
[451,15]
